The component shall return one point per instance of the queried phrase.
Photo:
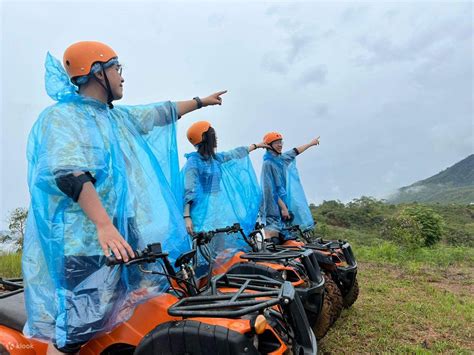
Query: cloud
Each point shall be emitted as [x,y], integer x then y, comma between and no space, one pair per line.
[321,110]
[298,42]
[415,45]
[273,62]
[315,75]
[354,13]
[215,20]
[288,23]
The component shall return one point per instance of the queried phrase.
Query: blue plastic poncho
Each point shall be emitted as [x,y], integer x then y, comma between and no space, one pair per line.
[70,294]
[280,180]
[222,191]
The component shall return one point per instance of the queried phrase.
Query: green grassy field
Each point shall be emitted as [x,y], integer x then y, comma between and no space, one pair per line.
[412,300]
[419,305]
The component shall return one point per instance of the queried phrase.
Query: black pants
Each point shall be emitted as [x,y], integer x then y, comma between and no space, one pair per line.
[92,291]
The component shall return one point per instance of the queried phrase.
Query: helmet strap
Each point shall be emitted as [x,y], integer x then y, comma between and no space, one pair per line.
[271,147]
[107,88]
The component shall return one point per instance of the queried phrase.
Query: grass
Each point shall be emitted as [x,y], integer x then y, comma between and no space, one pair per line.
[10,265]
[411,300]
[407,312]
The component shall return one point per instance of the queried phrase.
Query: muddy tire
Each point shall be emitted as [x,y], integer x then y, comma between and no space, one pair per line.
[320,323]
[335,297]
[352,295]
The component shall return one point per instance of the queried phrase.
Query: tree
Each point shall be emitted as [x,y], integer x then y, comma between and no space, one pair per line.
[17,224]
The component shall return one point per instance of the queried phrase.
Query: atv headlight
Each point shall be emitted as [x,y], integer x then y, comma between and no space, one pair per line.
[284,275]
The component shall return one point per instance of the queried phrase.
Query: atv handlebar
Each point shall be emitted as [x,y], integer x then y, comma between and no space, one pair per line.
[205,237]
[147,255]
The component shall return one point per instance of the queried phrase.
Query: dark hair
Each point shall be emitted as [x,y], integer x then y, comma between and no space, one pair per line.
[209,143]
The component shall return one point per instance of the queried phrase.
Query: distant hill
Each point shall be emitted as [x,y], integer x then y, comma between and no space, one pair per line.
[452,185]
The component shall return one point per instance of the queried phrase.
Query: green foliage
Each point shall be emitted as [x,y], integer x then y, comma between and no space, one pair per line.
[430,223]
[369,221]
[17,225]
[362,212]
[403,230]
[323,230]
[414,226]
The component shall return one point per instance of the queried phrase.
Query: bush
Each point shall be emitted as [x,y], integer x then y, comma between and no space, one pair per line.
[322,230]
[403,230]
[414,226]
[362,212]
[458,237]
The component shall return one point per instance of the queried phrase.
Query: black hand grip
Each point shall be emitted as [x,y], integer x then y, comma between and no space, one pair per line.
[234,228]
[112,260]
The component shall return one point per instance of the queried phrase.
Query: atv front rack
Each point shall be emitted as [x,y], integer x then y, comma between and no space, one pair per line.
[283,254]
[235,304]
[253,282]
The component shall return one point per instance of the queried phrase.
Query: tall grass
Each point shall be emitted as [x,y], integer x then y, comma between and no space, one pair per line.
[441,256]
[10,265]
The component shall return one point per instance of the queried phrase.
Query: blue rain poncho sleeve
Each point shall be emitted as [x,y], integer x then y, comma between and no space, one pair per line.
[222,191]
[280,180]
[156,122]
[70,294]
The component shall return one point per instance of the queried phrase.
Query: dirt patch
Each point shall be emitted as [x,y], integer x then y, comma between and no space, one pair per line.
[451,279]
[457,281]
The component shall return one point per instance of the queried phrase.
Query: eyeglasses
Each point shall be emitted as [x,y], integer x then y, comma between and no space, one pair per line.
[119,69]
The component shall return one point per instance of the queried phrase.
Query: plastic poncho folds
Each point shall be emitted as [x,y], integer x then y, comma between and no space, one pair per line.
[70,294]
[280,179]
[222,191]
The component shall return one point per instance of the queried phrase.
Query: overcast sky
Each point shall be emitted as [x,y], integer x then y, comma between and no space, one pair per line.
[387,86]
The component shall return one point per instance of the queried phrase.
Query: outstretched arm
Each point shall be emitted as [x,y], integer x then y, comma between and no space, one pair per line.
[302,148]
[254,146]
[187,106]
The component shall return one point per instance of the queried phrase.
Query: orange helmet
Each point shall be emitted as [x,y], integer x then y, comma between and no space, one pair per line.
[271,137]
[196,131]
[79,57]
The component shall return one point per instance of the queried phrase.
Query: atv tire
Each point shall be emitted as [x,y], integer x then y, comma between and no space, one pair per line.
[320,323]
[351,295]
[335,297]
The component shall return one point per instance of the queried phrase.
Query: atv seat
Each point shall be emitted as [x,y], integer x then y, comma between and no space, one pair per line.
[12,311]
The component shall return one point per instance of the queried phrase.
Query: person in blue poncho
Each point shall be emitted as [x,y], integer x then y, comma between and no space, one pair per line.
[101,180]
[283,194]
[220,188]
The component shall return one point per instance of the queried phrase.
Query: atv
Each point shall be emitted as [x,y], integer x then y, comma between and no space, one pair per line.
[299,267]
[251,316]
[335,257]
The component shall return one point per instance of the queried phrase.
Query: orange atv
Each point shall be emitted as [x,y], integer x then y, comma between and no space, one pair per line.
[273,246]
[298,267]
[335,257]
[234,323]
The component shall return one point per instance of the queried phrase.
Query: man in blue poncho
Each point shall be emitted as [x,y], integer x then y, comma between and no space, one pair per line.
[101,181]
[283,193]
